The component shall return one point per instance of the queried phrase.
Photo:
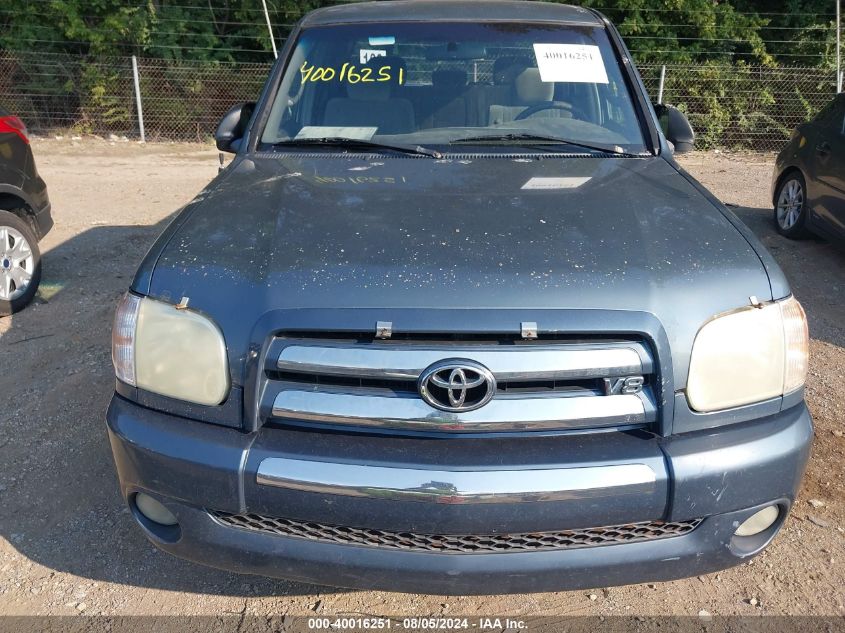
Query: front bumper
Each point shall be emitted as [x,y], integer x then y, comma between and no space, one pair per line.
[722,476]
[35,194]
[44,220]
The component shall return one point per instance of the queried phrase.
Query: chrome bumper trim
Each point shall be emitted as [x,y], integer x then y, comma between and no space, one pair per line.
[368,408]
[524,362]
[454,486]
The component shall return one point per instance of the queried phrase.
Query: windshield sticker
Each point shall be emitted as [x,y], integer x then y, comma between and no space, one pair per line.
[566,182]
[351,73]
[325,131]
[387,40]
[366,54]
[571,63]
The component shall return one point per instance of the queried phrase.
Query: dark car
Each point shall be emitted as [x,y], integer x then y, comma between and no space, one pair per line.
[809,179]
[24,216]
[453,320]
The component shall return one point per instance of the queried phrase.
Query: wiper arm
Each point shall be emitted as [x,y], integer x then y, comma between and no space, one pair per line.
[341,141]
[539,139]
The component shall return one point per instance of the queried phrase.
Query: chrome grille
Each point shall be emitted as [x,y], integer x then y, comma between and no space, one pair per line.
[541,384]
[459,543]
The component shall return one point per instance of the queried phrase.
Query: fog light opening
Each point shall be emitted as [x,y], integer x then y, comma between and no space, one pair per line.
[759,522]
[154,511]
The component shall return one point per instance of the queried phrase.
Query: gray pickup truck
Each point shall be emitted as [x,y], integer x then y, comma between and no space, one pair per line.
[454,321]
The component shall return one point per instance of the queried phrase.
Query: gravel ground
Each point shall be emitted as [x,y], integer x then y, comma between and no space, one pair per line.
[69,547]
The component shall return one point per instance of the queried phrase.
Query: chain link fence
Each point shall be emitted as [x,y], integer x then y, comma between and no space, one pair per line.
[742,107]
[181,101]
[730,106]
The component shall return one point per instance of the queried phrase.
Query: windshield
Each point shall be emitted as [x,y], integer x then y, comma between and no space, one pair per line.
[441,83]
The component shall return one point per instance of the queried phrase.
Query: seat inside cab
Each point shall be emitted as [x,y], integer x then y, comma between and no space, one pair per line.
[490,93]
[528,91]
[449,93]
[373,104]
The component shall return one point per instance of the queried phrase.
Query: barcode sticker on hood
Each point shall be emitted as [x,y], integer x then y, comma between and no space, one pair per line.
[564,182]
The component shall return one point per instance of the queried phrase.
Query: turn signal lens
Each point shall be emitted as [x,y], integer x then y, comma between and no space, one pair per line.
[797,339]
[123,338]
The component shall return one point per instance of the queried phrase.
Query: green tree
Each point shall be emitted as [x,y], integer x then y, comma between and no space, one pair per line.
[680,31]
[100,27]
[797,32]
[683,31]
[169,29]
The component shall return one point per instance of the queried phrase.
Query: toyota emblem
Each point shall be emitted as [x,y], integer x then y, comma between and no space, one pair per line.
[457,385]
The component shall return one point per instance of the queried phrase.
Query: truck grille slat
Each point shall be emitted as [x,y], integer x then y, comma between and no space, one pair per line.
[540,385]
[458,543]
[502,413]
[507,362]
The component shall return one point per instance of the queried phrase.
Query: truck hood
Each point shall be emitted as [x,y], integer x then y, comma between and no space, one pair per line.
[293,231]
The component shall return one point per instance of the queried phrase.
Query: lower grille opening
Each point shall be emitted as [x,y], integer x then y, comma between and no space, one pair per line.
[459,543]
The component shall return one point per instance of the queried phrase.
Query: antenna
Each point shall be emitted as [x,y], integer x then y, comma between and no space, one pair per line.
[270,29]
[838,47]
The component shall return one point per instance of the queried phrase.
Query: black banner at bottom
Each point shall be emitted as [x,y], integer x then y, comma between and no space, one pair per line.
[361,623]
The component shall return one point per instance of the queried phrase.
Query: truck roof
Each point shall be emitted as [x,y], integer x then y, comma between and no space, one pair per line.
[450,11]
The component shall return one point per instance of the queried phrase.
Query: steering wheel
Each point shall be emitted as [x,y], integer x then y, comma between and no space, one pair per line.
[576,113]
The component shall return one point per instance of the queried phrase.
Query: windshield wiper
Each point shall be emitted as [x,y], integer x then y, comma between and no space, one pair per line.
[341,141]
[539,139]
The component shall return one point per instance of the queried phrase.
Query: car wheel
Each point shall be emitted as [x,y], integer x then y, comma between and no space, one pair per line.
[791,206]
[20,264]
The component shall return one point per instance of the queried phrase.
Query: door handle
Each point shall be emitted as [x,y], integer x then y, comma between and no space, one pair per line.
[823,148]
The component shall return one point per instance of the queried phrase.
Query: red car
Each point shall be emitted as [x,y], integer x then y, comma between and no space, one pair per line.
[24,216]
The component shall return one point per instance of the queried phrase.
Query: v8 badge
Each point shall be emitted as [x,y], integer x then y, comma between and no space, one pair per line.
[619,386]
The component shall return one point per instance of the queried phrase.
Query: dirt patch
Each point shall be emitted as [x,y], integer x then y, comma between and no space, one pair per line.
[68,545]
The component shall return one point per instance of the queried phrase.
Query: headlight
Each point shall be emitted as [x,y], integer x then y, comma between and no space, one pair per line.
[749,355]
[173,352]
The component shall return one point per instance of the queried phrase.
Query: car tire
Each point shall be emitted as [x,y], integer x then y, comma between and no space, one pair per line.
[20,264]
[791,206]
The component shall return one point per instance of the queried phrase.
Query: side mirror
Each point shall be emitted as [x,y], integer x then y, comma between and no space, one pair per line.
[676,127]
[231,129]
